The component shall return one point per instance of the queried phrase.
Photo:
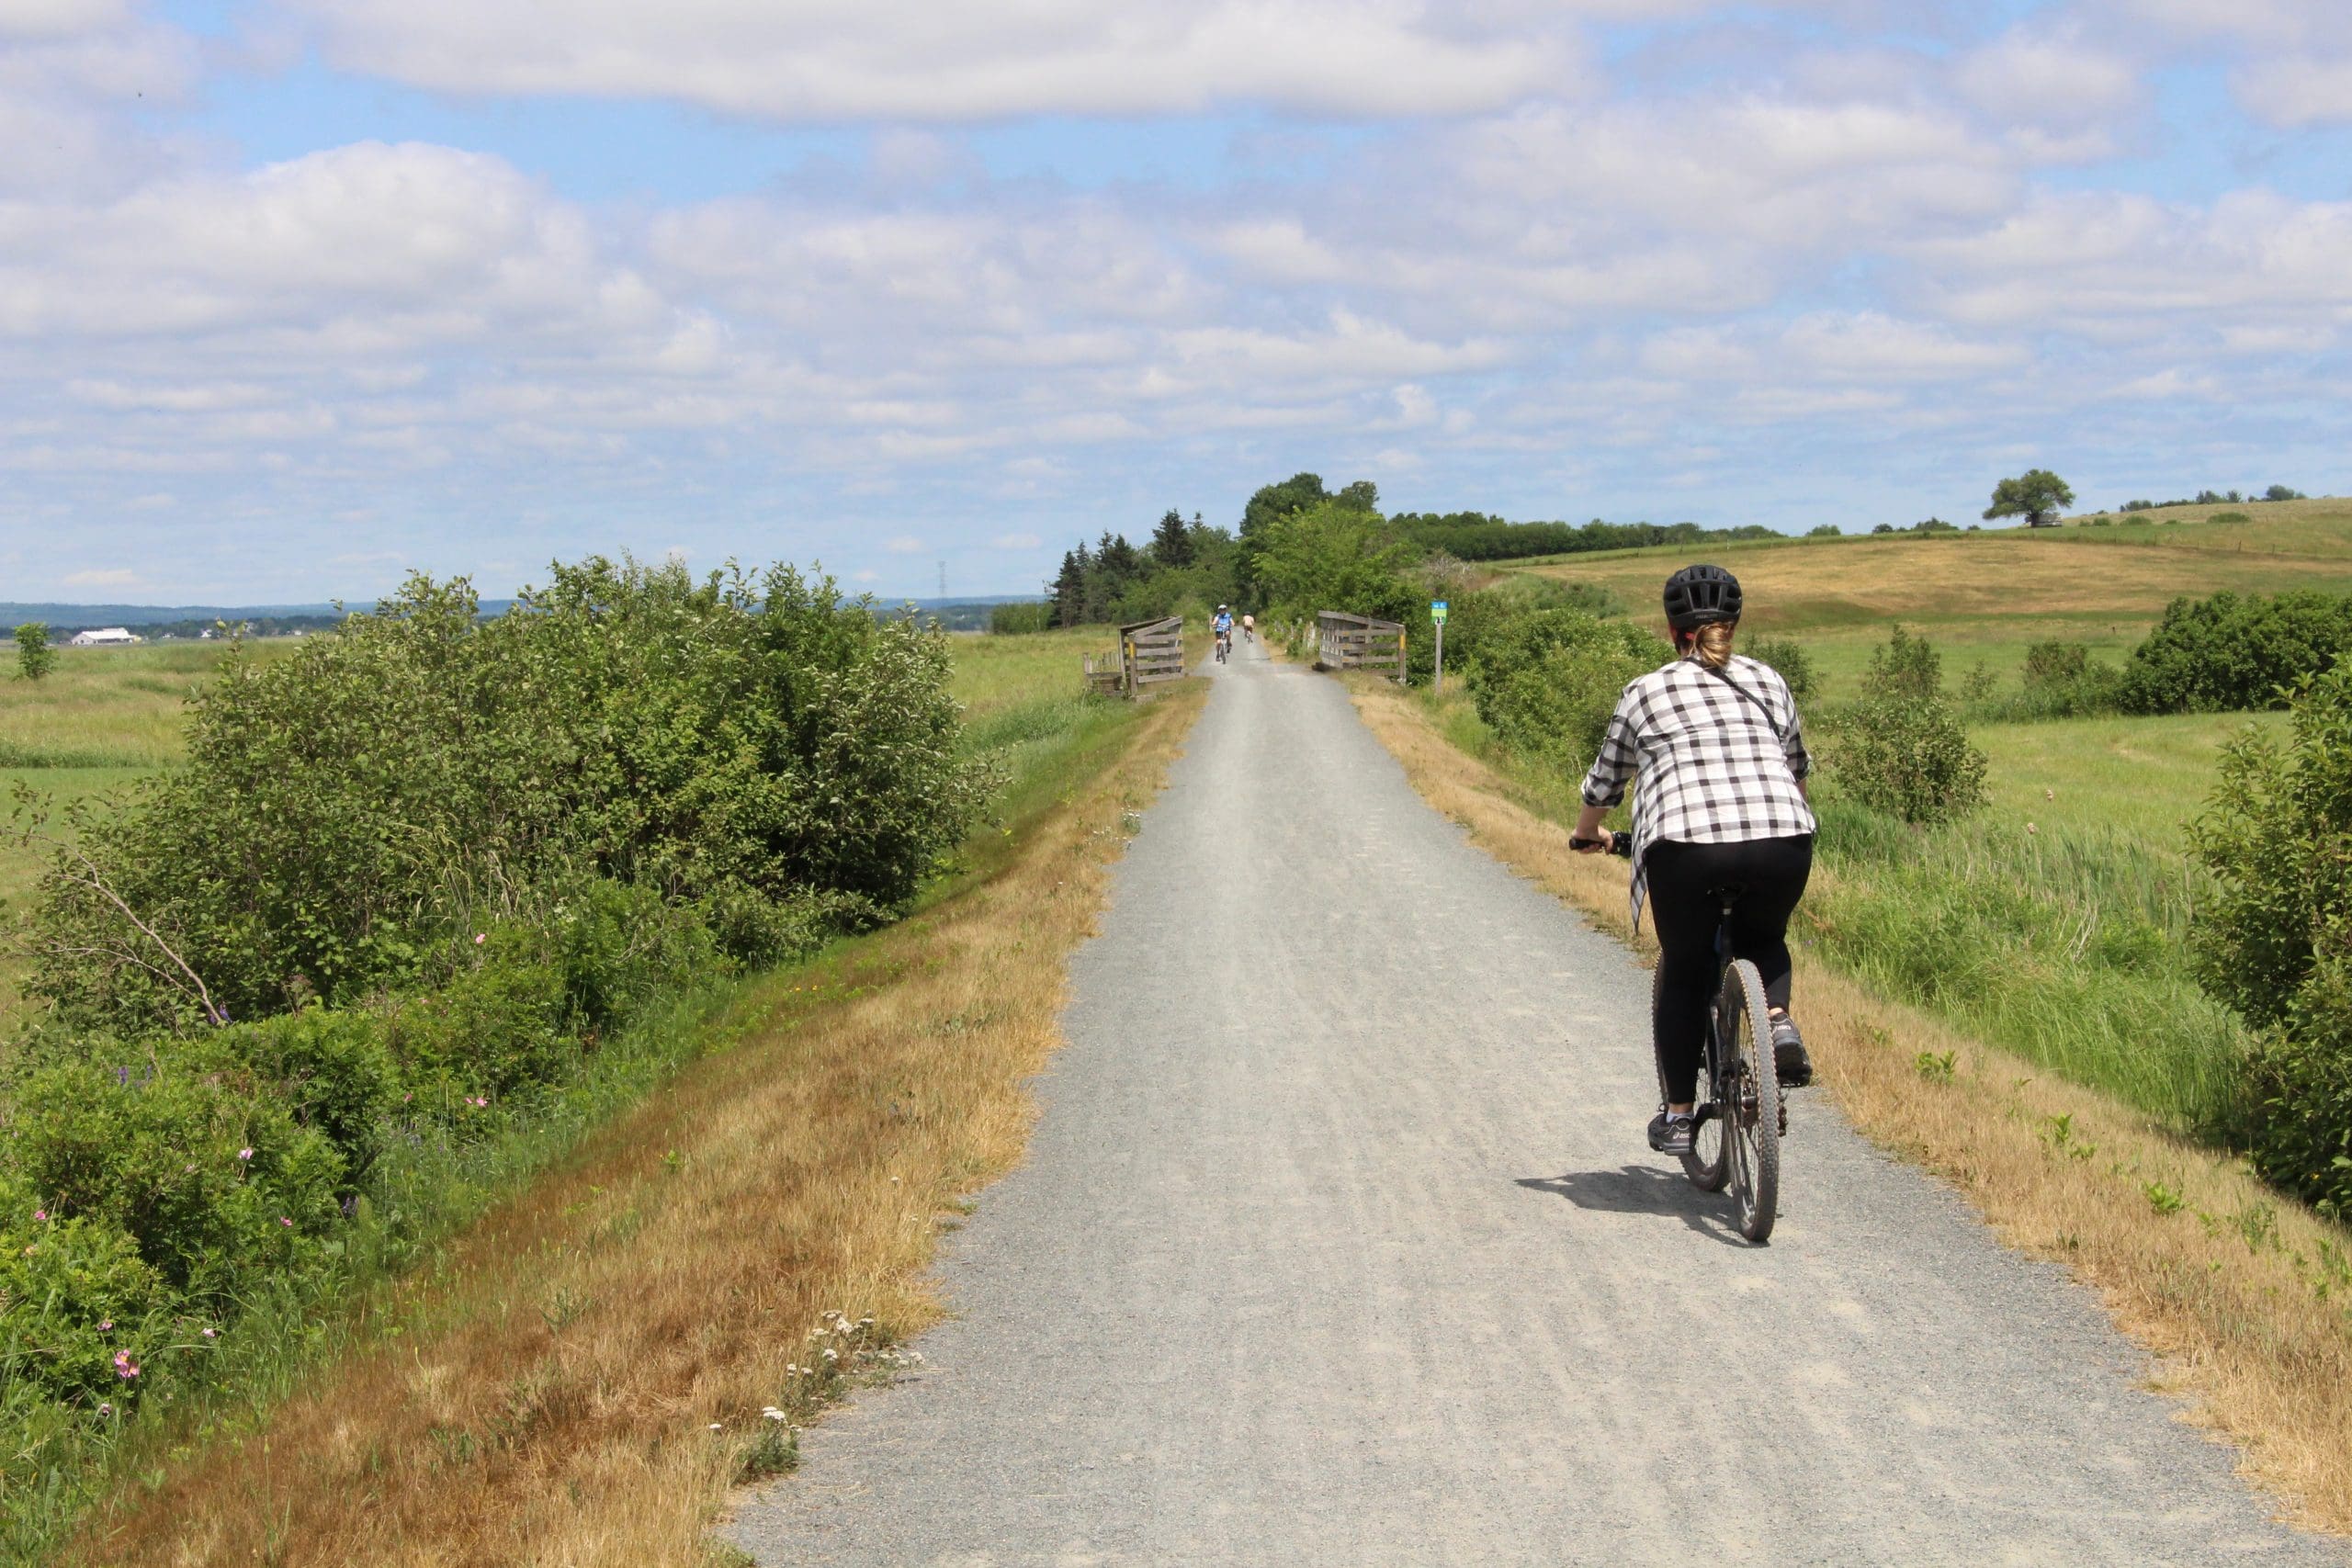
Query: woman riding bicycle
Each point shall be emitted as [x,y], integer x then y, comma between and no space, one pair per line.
[1720,762]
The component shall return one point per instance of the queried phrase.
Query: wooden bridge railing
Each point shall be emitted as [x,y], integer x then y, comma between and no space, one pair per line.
[1150,652]
[1359,642]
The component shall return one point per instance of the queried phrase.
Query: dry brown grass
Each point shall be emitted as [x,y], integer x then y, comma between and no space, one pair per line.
[545,1395]
[2231,1289]
[2006,575]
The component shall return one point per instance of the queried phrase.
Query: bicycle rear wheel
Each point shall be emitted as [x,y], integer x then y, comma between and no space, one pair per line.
[1751,1118]
[1708,1165]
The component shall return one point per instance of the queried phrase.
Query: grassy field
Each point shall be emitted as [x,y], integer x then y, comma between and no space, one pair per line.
[1988,596]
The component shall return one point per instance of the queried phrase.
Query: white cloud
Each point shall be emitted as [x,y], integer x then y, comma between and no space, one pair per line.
[106,577]
[1016,542]
[904,544]
[914,59]
[2299,91]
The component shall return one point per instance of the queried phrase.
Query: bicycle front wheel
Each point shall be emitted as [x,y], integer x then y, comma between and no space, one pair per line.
[1751,1115]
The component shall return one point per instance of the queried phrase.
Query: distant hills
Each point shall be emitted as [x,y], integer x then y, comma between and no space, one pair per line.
[73,617]
[187,619]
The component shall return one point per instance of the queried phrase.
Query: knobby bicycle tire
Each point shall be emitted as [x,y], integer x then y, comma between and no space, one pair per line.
[1752,1122]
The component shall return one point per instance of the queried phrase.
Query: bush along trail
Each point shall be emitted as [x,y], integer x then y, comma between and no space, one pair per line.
[580,1378]
[424,901]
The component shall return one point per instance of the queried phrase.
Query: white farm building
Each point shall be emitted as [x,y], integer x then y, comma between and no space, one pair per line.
[103,636]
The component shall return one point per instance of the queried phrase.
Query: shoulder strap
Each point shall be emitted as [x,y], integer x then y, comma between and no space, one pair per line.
[1770,722]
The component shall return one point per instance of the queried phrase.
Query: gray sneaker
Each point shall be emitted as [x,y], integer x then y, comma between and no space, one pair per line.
[1671,1134]
[1790,1064]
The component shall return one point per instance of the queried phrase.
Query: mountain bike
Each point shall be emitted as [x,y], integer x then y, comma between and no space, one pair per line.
[1742,1111]
[1224,646]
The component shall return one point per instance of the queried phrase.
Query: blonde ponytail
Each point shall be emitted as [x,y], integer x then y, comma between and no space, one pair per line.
[1711,644]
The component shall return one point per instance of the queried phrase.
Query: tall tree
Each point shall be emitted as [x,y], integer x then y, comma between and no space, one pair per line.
[1274,502]
[1069,588]
[2037,495]
[1172,542]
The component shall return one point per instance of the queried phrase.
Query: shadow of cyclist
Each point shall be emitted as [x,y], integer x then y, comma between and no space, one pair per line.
[1643,1190]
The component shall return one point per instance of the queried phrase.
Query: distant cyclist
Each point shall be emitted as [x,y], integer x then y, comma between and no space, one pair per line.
[1248,628]
[1714,745]
[1223,626]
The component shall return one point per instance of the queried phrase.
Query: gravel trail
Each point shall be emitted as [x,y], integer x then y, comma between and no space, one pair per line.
[1339,1243]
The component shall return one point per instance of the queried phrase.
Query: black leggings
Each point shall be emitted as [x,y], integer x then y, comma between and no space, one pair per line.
[1682,880]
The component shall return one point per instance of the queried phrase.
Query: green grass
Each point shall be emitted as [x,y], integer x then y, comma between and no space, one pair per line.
[2144,778]
[2067,942]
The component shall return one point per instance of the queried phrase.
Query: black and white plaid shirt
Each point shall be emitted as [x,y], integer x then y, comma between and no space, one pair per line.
[1714,767]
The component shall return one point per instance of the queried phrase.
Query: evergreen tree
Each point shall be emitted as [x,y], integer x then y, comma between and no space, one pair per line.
[1172,542]
[1069,589]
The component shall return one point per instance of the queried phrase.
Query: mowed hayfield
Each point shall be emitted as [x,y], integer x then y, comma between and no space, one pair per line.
[1988,596]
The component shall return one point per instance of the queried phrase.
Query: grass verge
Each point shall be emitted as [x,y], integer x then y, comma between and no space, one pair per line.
[2249,1303]
[579,1376]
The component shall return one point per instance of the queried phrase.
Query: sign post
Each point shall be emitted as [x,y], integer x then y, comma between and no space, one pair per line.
[1437,618]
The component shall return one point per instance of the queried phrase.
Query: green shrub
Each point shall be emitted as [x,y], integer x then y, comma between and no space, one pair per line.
[1788,657]
[762,748]
[1906,669]
[2230,652]
[1901,749]
[1015,620]
[74,1295]
[1546,680]
[1824,531]
[35,657]
[204,1170]
[2276,942]
[2060,680]
[332,1072]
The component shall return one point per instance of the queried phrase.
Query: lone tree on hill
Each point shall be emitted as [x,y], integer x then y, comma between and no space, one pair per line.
[2036,495]
[34,656]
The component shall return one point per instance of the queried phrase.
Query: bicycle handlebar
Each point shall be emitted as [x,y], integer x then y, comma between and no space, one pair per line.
[1620,844]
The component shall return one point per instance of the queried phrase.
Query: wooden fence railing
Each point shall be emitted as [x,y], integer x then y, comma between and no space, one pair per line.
[1359,642]
[1150,652]
[1105,673]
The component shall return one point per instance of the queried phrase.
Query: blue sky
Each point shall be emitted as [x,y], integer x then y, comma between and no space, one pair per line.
[298,294]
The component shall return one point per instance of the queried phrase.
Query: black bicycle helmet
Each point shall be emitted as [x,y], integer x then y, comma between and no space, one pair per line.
[1698,594]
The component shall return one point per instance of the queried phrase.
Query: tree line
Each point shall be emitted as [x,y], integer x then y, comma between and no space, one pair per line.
[1299,540]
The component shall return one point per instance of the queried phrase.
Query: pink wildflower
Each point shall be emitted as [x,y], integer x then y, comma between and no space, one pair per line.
[41,1215]
[244,1153]
[124,1367]
[211,1333]
[284,1221]
[480,937]
[106,1325]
